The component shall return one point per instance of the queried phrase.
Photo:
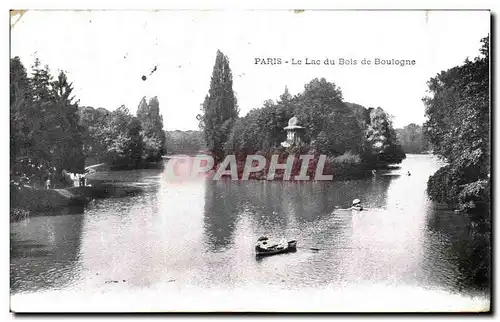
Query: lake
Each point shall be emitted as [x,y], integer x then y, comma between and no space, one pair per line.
[189,245]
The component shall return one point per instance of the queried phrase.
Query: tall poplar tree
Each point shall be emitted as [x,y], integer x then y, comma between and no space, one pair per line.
[219,110]
[152,129]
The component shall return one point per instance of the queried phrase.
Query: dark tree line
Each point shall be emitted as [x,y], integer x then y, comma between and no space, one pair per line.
[349,132]
[50,134]
[185,142]
[353,137]
[413,140]
[123,140]
[458,128]
[45,135]
[332,127]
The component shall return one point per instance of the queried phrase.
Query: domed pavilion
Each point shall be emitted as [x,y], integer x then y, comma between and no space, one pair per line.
[293,132]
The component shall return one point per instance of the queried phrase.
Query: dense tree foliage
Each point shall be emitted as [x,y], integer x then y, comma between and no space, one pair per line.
[412,139]
[124,140]
[152,129]
[317,104]
[50,134]
[95,122]
[45,135]
[347,133]
[219,110]
[21,135]
[121,139]
[458,128]
[382,145]
[184,142]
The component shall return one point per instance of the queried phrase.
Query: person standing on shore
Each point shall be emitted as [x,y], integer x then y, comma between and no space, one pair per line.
[82,180]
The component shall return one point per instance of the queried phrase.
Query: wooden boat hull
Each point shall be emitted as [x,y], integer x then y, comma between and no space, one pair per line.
[290,247]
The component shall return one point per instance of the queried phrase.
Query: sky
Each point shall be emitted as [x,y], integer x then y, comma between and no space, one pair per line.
[106,53]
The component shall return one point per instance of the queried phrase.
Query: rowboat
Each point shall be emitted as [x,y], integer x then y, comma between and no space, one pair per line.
[265,248]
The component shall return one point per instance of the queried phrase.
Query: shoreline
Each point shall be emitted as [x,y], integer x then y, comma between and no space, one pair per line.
[27,201]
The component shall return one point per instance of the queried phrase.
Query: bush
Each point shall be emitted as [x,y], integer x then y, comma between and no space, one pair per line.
[474,195]
[448,186]
[18,214]
[345,166]
[443,185]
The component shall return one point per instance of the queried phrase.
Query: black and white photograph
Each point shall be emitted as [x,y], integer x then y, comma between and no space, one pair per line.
[319,161]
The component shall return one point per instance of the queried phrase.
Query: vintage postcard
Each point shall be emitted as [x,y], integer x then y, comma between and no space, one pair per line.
[250,161]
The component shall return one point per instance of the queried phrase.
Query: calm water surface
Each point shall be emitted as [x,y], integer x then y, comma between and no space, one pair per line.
[198,236]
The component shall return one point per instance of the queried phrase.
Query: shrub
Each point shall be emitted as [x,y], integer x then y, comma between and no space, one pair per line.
[474,195]
[18,214]
[347,165]
[443,185]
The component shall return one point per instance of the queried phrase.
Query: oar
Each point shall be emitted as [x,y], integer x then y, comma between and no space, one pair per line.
[318,249]
[310,248]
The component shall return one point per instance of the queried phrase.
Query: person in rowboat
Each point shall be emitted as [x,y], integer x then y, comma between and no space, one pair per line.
[356,205]
[263,243]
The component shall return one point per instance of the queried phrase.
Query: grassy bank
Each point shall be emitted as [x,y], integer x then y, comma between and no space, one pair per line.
[27,200]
